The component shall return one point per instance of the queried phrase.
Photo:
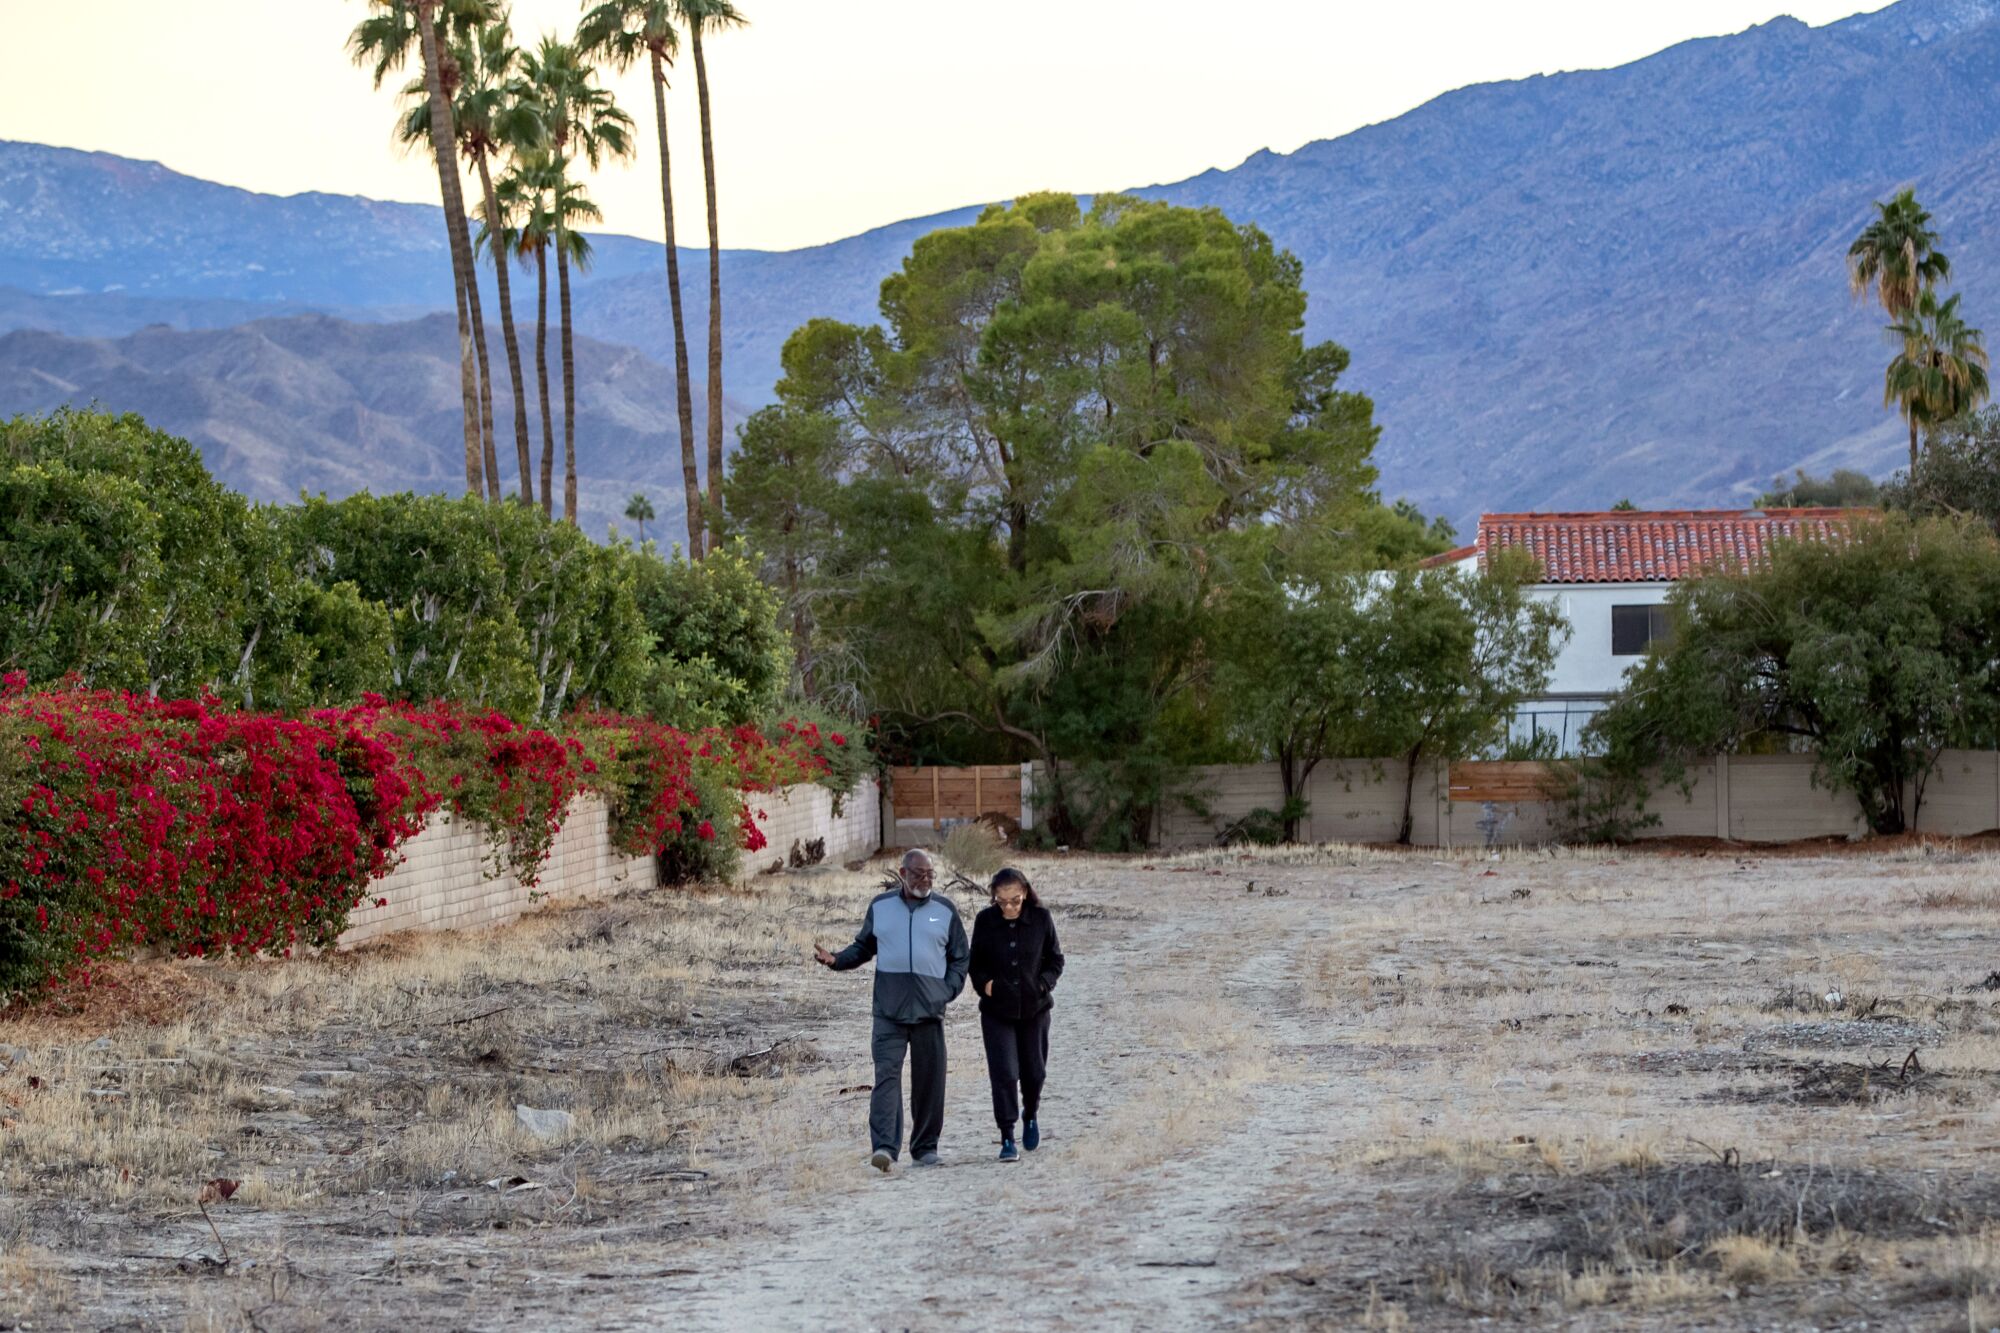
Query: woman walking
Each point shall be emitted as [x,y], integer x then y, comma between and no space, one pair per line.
[1015,964]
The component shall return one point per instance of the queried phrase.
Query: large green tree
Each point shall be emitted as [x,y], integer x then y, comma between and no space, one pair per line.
[783,469]
[1876,652]
[1001,517]
[124,563]
[719,656]
[619,31]
[1958,475]
[490,604]
[1451,656]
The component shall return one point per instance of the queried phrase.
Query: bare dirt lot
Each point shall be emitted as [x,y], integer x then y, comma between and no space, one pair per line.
[1314,1088]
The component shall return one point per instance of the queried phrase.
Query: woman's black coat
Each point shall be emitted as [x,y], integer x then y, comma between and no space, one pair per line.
[1021,958]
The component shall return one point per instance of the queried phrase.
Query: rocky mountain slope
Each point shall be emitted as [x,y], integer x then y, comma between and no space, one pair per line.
[326,405]
[1561,291]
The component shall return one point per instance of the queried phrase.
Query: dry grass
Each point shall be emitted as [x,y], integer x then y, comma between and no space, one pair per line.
[1367,854]
[1370,1088]
[375,1093]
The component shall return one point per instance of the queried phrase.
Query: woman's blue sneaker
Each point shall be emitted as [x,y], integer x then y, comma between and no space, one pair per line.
[1031,1136]
[1008,1152]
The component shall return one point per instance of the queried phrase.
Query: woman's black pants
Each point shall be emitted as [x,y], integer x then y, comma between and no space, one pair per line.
[1017,1059]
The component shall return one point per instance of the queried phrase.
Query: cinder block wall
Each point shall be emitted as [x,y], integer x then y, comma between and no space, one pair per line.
[798,815]
[446,879]
[1748,798]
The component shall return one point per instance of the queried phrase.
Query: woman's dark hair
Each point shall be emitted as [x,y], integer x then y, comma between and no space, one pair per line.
[1009,875]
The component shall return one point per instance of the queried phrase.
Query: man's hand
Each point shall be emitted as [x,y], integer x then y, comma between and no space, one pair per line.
[822,957]
[989,988]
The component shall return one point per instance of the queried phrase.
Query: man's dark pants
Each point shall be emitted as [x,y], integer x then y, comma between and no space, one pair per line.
[1017,1058]
[925,1043]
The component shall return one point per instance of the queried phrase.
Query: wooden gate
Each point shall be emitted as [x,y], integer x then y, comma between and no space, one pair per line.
[1499,781]
[941,795]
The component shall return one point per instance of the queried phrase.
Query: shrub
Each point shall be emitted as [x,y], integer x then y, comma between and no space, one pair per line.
[184,825]
[974,850]
[483,767]
[189,826]
[842,744]
[681,798]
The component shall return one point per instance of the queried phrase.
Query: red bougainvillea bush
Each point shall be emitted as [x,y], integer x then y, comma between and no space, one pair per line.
[126,821]
[192,827]
[686,798]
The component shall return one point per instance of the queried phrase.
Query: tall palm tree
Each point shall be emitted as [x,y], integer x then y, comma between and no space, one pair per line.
[618,30]
[383,40]
[525,197]
[704,16]
[640,510]
[1940,371]
[502,234]
[584,122]
[571,208]
[493,118]
[1897,255]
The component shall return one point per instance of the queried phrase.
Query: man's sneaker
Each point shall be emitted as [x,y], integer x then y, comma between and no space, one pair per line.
[882,1160]
[1031,1135]
[926,1159]
[1008,1152]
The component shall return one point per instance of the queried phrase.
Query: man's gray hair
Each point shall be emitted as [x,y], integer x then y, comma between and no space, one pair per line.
[916,859]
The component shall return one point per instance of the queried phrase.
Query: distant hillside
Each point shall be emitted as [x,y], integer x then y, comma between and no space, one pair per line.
[318,404]
[100,245]
[1630,282]
[1561,291]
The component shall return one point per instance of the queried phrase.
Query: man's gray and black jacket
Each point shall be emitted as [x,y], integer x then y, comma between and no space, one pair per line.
[920,954]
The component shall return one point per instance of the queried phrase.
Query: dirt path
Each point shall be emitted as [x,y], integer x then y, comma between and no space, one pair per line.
[1175,1099]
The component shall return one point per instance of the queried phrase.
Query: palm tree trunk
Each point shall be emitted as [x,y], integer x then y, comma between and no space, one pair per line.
[542,377]
[714,286]
[569,384]
[1913,448]
[492,460]
[468,389]
[526,458]
[446,156]
[683,396]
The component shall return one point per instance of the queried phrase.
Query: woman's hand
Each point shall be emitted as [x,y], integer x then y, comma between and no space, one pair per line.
[989,988]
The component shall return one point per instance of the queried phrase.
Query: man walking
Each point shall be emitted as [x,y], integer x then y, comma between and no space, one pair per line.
[920,952]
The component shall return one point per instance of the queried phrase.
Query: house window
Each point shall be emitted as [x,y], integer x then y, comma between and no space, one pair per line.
[1633,627]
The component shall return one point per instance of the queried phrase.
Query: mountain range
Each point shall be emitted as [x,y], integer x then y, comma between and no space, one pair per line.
[309,402]
[1561,291]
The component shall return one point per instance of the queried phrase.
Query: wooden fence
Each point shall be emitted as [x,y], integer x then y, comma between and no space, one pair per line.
[1498,780]
[934,797]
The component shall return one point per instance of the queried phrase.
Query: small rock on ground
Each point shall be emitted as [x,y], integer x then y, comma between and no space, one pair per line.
[545,1124]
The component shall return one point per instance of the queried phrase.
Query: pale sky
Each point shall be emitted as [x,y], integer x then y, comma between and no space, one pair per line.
[831,118]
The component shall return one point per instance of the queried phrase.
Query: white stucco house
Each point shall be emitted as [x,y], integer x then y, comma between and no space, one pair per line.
[1610,572]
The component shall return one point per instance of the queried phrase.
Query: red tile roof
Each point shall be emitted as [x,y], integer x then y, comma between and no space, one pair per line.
[1451,557]
[1650,546]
